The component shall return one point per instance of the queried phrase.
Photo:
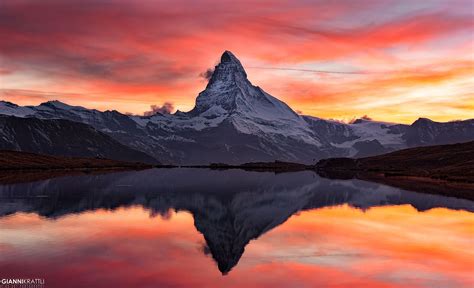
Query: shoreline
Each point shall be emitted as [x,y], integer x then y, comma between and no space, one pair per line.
[449,188]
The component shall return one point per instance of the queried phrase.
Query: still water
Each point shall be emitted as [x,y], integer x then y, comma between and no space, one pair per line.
[205,228]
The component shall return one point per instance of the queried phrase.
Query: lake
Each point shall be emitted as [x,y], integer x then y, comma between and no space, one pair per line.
[207,228]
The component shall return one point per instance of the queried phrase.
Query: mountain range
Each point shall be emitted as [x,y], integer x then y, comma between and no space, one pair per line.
[64,138]
[232,122]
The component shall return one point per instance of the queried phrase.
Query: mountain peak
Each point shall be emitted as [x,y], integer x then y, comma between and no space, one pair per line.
[7,103]
[228,71]
[422,121]
[229,57]
[229,92]
[56,104]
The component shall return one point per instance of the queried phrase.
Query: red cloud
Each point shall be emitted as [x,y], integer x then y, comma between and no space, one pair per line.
[119,49]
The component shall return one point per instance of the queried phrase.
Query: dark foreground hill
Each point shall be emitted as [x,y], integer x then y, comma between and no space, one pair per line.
[450,162]
[16,167]
[14,160]
[442,169]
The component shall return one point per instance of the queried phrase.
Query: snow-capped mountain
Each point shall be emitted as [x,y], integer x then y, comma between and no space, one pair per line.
[234,122]
[230,95]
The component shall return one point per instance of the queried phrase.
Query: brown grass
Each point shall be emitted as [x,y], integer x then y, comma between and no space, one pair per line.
[14,160]
[444,162]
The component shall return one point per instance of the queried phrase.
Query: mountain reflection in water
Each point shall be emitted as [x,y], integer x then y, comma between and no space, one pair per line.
[229,208]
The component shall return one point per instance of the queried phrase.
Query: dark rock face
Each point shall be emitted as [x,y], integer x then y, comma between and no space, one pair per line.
[427,132]
[331,131]
[369,148]
[228,79]
[63,138]
[117,125]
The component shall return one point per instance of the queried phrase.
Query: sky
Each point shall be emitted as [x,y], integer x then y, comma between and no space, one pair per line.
[400,59]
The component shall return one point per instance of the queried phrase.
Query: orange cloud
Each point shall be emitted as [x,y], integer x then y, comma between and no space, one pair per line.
[127,54]
[393,95]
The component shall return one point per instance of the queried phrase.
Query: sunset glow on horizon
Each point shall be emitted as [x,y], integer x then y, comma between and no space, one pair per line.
[394,61]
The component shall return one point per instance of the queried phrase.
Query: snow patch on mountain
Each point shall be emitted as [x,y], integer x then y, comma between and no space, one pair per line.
[368,130]
[10,109]
[171,122]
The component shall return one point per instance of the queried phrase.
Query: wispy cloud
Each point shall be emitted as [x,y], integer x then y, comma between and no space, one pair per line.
[129,54]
